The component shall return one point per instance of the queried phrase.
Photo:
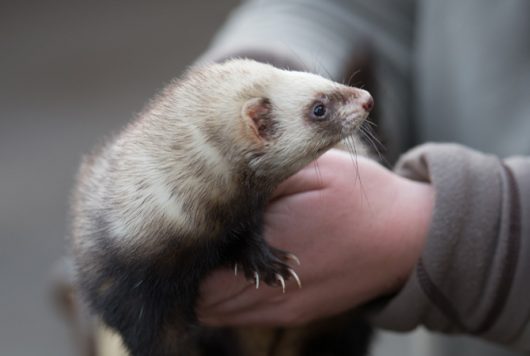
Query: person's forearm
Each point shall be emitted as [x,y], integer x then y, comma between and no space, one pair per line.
[409,222]
[473,273]
[306,35]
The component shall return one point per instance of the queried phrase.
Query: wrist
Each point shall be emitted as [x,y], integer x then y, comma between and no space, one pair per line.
[408,226]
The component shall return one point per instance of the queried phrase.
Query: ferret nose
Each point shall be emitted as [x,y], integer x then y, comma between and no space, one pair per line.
[367,102]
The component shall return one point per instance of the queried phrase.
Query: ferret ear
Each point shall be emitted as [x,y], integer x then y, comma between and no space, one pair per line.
[257,114]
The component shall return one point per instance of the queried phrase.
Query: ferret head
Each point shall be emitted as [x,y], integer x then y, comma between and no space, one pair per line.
[299,116]
[268,123]
[221,128]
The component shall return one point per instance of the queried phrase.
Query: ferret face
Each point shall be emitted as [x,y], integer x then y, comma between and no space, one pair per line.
[268,121]
[299,116]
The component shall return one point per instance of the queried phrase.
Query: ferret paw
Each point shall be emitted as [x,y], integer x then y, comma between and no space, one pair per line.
[269,266]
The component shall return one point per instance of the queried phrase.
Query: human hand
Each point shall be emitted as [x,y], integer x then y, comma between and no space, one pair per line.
[358,230]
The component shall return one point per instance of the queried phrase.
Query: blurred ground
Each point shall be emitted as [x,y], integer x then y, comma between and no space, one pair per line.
[70,73]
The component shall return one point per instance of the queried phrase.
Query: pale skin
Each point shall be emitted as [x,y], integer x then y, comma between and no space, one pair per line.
[358,230]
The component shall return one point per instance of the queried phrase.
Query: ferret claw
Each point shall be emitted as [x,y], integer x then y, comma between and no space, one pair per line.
[256,277]
[282,282]
[292,256]
[295,276]
[235,269]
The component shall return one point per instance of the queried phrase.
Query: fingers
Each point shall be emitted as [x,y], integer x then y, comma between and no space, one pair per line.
[247,305]
[253,307]
[305,180]
[279,309]
[221,286]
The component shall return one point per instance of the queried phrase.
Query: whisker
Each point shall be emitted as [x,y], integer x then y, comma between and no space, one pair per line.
[298,57]
[371,123]
[368,130]
[351,143]
[325,70]
[375,143]
[348,141]
[319,67]
[318,173]
[352,76]
[368,137]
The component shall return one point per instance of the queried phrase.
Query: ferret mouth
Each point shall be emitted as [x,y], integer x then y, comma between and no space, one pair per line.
[340,128]
[351,123]
[356,116]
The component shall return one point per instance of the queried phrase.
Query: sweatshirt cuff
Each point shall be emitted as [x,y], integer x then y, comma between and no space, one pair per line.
[470,277]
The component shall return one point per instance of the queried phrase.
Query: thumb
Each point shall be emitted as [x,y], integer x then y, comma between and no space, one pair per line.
[306,180]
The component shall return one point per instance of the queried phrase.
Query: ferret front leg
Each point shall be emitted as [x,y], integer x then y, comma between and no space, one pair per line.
[262,263]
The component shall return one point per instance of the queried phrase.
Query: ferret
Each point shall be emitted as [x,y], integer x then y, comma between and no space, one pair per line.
[183,188]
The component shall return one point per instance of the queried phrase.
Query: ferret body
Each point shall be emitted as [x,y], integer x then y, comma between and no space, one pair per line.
[183,188]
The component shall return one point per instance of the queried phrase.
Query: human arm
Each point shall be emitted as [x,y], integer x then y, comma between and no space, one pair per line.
[473,273]
[358,235]
[474,268]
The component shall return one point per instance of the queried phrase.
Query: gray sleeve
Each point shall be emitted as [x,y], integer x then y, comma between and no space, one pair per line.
[474,274]
[326,37]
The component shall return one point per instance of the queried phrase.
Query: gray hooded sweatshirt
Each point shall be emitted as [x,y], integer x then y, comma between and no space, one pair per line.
[443,71]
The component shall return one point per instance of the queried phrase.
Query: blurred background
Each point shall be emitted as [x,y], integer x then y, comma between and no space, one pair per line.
[71,72]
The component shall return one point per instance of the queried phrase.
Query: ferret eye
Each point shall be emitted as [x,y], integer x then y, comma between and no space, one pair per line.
[319,110]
